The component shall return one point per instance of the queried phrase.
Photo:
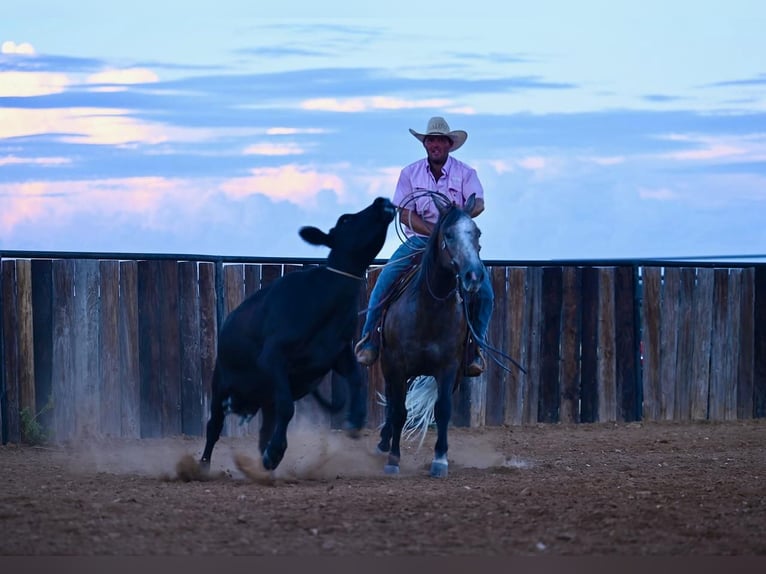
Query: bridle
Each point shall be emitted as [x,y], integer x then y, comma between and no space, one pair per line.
[456,289]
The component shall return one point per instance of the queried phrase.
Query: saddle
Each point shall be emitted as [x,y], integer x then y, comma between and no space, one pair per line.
[394,292]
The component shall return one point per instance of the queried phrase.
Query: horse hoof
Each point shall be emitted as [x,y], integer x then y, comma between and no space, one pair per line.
[439,469]
[380,451]
[391,469]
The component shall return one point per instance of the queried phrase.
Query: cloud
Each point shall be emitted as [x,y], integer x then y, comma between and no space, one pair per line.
[274,149]
[118,79]
[113,199]
[294,183]
[100,126]
[365,104]
[30,84]
[13,160]
[660,194]
[11,47]
[533,163]
[606,160]
[743,148]
[282,131]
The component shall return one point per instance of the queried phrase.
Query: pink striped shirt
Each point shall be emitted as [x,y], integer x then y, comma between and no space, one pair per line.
[458,182]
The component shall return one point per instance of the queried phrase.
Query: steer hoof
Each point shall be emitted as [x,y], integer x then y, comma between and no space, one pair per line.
[353,432]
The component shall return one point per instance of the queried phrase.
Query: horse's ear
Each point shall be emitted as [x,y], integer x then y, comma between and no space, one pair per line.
[469,204]
[315,236]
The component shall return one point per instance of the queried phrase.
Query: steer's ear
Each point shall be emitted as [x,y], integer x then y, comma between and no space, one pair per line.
[315,236]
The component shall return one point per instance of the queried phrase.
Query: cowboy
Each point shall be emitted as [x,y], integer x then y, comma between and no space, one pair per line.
[418,213]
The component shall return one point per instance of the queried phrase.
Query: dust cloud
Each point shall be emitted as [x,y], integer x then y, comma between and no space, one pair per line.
[312,454]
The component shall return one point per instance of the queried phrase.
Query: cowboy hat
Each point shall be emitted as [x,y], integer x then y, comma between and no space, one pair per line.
[439,127]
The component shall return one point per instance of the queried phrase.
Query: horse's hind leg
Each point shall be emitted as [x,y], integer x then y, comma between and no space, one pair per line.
[397,415]
[385,432]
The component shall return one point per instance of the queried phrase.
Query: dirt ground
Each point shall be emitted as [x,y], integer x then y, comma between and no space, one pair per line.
[605,489]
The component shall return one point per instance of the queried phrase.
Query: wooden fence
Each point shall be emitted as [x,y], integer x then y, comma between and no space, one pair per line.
[125,347]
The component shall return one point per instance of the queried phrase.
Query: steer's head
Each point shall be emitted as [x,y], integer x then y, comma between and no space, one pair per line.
[357,238]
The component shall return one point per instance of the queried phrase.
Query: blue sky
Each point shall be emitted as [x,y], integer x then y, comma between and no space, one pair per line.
[599,129]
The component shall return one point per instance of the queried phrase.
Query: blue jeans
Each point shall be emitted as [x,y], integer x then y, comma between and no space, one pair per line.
[400,260]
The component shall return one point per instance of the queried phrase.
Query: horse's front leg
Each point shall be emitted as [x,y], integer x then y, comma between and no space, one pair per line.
[442,414]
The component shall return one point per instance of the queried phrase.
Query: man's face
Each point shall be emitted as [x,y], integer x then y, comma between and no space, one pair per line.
[437,148]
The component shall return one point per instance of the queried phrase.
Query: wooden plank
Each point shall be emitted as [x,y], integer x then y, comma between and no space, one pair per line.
[733,344]
[10,353]
[669,341]
[25,336]
[63,350]
[252,278]
[551,300]
[606,367]
[130,367]
[109,364]
[495,386]
[589,361]
[702,319]
[233,295]
[86,346]
[270,273]
[149,351]
[42,326]
[515,337]
[684,364]
[718,359]
[627,382]
[759,345]
[170,349]
[746,338]
[191,365]
[533,318]
[208,332]
[233,287]
[571,340]
[651,336]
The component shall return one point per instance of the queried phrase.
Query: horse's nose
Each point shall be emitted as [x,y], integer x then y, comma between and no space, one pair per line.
[472,280]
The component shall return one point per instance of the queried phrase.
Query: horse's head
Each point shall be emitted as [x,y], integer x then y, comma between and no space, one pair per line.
[458,243]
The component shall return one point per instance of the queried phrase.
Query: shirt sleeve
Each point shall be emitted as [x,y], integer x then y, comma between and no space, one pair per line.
[403,191]
[471,184]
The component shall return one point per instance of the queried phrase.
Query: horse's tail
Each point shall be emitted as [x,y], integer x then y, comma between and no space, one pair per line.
[420,401]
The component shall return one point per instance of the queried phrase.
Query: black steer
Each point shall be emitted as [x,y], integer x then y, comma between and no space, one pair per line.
[277,345]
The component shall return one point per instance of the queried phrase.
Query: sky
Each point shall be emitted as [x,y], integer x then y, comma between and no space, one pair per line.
[599,129]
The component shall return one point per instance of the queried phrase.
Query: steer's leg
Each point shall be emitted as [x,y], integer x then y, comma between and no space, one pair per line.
[274,365]
[215,424]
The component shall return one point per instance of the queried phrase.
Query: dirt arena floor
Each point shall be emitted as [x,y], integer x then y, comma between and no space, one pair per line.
[605,489]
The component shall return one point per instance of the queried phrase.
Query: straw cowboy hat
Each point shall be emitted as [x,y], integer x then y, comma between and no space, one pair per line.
[439,127]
